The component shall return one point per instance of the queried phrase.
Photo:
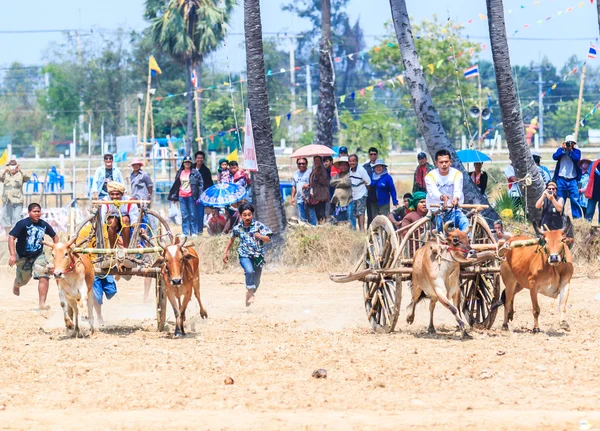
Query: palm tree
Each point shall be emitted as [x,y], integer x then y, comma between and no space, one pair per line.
[512,122]
[188,30]
[427,116]
[265,183]
[326,110]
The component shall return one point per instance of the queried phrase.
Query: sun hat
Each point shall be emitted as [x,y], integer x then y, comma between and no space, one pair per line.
[582,161]
[570,138]
[137,162]
[379,162]
[342,159]
[12,162]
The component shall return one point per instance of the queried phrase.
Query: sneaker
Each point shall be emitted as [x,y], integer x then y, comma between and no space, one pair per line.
[195,235]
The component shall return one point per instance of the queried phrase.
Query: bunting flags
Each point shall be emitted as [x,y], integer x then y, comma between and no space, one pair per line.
[472,72]
[278,120]
[153,66]
[194,79]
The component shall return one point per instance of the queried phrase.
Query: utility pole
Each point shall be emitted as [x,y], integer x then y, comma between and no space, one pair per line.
[292,84]
[540,105]
[308,98]
[581,82]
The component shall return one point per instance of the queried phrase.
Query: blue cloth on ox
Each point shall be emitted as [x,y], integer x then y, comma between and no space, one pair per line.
[104,286]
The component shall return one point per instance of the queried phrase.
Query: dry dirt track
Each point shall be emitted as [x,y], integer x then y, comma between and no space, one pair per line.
[128,376]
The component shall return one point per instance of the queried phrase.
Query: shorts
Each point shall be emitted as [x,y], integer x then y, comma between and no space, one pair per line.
[28,266]
[104,286]
[11,214]
[360,206]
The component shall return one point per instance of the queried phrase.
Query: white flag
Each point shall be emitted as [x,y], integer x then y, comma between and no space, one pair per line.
[250,162]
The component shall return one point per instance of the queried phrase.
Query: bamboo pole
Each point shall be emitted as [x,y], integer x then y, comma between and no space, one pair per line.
[480,119]
[197,103]
[147,109]
[139,128]
[581,83]
[142,250]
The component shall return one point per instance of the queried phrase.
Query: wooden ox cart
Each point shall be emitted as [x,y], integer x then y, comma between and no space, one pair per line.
[387,263]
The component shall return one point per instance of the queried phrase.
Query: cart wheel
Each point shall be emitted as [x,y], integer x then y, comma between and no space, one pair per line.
[481,290]
[163,228]
[161,304]
[383,293]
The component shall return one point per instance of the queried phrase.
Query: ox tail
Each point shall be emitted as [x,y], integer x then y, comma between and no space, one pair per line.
[499,302]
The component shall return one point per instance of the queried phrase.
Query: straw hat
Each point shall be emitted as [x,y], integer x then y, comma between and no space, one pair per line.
[342,159]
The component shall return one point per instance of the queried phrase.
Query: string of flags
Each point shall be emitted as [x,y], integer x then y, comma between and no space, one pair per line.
[548,18]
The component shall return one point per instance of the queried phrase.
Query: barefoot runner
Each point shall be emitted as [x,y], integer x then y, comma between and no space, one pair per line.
[28,254]
[252,234]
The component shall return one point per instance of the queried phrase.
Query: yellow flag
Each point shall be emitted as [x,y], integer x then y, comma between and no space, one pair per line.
[370,87]
[430,66]
[278,120]
[401,79]
[4,158]
[233,156]
[154,66]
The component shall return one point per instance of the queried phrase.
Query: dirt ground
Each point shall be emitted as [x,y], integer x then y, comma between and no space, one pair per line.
[129,376]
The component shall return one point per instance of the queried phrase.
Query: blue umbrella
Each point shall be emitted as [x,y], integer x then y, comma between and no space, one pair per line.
[472,156]
[222,194]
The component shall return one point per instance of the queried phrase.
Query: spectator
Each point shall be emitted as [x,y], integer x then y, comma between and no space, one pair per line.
[27,253]
[544,171]
[119,218]
[300,179]
[552,207]
[479,177]
[584,165]
[342,195]
[238,176]
[421,172]
[342,152]
[207,182]
[104,175]
[592,192]
[12,194]
[360,180]
[499,231]
[372,193]
[445,187]
[397,215]
[223,174]
[186,190]
[386,190]
[140,182]
[328,164]
[216,221]
[567,173]
[417,209]
[318,190]
[513,185]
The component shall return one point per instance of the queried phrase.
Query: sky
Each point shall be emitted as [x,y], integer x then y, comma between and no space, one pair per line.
[551,31]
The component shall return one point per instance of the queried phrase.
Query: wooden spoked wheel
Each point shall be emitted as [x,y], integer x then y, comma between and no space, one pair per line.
[161,304]
[479,289]
[383,293]
[412,239]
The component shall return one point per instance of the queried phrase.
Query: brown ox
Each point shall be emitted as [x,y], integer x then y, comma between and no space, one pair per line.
[436,275]
[546,268]
[74,276]
[181,272]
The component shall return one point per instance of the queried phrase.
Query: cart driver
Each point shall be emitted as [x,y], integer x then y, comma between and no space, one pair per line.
[119,218]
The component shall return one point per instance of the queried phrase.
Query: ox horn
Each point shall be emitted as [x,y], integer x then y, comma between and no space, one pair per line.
[537,229]
[567,224]
[447,226]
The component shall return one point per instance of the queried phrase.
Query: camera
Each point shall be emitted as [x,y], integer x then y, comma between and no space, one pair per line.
[568,144]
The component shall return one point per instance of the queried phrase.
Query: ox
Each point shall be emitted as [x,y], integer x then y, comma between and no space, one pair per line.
[436,274]
[181,272]
[546,268]
[74,276]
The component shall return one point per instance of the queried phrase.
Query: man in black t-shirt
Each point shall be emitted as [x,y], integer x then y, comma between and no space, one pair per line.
[28,252]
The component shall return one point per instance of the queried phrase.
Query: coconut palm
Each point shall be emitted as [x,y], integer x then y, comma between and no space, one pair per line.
[427,116]
[326,112]
[265,183]
[188,30]
[512,122]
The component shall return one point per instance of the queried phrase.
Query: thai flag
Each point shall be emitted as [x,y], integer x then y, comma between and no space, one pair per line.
[194,79]
[472,72]
[592,51]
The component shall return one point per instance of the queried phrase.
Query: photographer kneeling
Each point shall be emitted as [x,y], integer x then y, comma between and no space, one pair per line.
[552,208]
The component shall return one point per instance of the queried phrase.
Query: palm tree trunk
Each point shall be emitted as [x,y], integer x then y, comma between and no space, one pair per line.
[189,131]
[199,102]
[598,8]
[512,122]
[265,183]
[427,116]
[326,112]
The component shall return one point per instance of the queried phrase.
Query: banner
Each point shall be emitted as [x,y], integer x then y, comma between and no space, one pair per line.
[250,163]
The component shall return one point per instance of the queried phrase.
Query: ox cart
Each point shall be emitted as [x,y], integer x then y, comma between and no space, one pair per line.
[149,235]
[386,265]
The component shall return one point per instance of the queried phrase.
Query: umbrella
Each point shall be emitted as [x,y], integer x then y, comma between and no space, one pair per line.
[472,156]
[222,194]
[312,150]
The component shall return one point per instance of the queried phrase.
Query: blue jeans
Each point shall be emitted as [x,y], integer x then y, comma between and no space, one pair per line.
[591,209]
[307,213]
[459,219]
[199,218]
[351,215]
[252,273]
[188,218]
[569,188]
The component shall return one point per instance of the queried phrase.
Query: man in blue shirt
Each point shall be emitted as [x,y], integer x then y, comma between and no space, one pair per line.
[568,173]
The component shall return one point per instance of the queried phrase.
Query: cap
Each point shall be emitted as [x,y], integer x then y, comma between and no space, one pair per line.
[536,154]
[343,150]
[421,155]
[187,159]
[570,138]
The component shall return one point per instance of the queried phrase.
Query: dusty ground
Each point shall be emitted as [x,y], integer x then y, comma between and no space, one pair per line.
[128,376]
